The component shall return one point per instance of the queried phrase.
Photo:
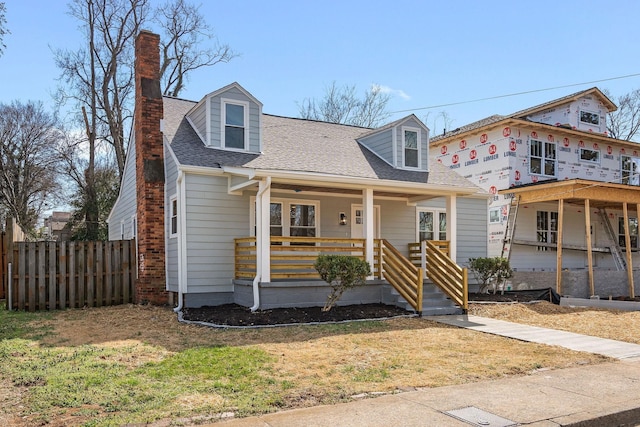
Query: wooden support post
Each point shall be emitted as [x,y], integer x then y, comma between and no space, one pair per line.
[627,246]
[587,224]
[559,255]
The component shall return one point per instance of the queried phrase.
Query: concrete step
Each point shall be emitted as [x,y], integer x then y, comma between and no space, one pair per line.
[441,311]
[434,301]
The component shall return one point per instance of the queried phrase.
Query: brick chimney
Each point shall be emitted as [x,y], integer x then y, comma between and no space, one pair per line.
[151,284]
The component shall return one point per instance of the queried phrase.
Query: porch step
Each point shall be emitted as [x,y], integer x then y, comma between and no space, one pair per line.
[434,301]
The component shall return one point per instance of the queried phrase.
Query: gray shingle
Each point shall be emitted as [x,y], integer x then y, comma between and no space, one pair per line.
[292,144]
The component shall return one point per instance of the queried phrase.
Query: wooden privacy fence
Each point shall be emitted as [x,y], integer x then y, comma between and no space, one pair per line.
[51,275]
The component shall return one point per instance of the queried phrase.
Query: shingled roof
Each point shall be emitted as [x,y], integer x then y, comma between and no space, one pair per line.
[291,144]
[523,114]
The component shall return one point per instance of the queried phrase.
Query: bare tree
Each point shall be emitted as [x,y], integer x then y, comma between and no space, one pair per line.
[184,31]
[342,105]
[446,122]
[624,123]
[3,26]
[29,162]
[98,77]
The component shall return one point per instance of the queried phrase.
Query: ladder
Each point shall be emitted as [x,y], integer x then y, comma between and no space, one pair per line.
[616,251]
[510,229]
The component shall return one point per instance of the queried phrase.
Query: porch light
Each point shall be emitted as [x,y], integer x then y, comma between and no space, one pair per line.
[343,218]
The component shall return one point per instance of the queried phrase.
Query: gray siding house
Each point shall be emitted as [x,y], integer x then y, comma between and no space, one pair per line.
[250,199]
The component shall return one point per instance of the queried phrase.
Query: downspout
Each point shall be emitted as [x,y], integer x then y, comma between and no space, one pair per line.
[259,255]
[180,243]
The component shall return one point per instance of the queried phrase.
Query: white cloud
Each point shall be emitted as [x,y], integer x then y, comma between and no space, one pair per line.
[394,92]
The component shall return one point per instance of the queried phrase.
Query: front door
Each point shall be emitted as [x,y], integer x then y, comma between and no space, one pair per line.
[357,222]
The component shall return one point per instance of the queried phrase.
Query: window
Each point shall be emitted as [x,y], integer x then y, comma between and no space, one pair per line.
[432,225]
[275,219]
[411,148]
[542,158]
[587,155]
[302,219]
[235,124]
[494,215]
[173,232]
[630,167]
[590,118]
[633,233]
[547,229]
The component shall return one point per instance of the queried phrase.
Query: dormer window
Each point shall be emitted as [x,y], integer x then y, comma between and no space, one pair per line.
[235,124]
[589,118]
[411,147]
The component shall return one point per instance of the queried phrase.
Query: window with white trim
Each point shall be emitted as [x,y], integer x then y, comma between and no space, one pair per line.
[633,233]
[432,224]
[173,223]
[590,156]
[302,218]
[494,215]
[542,157]
[411,139]
[589,118]
[630,168]
[235,124]
[546,229]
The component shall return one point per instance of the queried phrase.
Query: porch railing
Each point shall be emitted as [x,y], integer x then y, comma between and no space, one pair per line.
[447,275]
[415,250]
[405,277]
[293,257]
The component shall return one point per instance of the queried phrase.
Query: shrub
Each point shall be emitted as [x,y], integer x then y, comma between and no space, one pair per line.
[341,272]
[490,270]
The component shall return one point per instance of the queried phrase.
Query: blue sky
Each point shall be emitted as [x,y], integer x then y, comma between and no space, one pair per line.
[426,53]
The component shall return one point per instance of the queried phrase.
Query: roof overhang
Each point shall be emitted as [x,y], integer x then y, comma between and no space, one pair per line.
[529,124]
[316,182]
[600,194]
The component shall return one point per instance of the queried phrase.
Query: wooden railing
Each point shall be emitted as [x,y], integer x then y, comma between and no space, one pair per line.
[447,275]
[405,277]
[415,250]
[293,257]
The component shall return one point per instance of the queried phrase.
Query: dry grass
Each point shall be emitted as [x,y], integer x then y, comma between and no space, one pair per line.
[611,324]
[331,363]
[352,358]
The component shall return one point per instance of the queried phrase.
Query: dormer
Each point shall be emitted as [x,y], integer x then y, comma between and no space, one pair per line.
[229,119]
[404,144]
[584,111]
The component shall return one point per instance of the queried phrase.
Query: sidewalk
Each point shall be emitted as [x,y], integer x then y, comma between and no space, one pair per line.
[607,394]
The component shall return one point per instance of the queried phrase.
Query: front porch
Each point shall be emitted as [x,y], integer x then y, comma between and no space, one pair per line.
[293,277]
[576,219]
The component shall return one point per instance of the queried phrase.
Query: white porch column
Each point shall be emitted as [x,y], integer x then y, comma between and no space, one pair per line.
[369,225]
[263,230]
[452,226]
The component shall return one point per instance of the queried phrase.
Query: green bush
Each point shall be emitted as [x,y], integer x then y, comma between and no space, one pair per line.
[490,270]
[341,272]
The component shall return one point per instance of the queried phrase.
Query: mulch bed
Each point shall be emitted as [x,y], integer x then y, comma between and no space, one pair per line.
[235,315]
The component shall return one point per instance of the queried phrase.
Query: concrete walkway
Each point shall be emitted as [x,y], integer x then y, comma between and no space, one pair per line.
[606,394]
[578,342]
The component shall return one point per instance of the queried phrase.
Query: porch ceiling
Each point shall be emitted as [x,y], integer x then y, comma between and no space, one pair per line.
[355,192]
[576,191]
